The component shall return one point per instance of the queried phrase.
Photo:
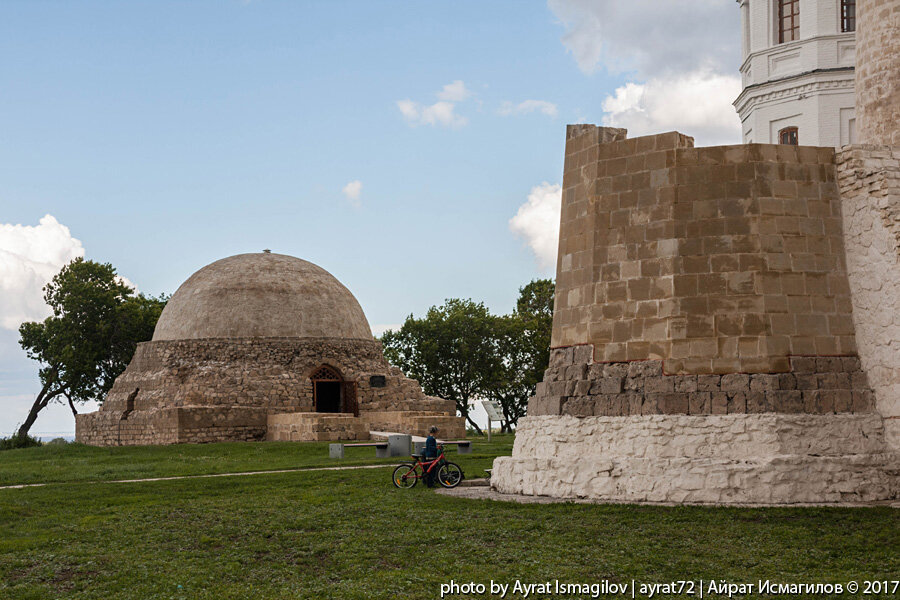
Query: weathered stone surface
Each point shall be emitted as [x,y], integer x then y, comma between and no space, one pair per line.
[714,260]
[869,177]
[225,388]
[753,458]
[651,391]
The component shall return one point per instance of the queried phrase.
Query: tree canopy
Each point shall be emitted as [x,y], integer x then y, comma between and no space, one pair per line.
[462,352]
[89,339]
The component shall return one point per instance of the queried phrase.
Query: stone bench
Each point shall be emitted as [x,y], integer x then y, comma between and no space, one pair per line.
[337,450]
[462,446]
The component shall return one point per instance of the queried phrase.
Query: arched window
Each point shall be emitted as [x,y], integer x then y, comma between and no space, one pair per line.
[788,20]
[788,135]
[848,15]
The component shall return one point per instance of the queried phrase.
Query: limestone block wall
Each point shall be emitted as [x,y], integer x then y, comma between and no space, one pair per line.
[315,427]
[877,68]
[869,177]
[713,260]
[223,389]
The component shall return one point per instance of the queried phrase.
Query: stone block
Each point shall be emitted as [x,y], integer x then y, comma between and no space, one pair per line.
[737,402]
[764,382]
[709,383]
[611,385]
[659,384]
[336,450]
[735,382]
[581,406]
[583,353]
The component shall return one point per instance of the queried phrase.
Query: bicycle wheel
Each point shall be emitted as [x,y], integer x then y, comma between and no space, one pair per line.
[450,475]
[405,476]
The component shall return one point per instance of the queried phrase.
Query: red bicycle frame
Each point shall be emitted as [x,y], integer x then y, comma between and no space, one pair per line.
[427,465]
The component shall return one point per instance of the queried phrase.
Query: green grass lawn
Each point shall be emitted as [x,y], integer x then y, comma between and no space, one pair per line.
[76,462]
[351,534]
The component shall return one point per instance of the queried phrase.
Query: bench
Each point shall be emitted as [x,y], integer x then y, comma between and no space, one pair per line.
[462,446]
[337,450]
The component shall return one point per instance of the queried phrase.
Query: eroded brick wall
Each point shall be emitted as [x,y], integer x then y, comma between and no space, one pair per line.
[712,260]
[878,71]
[869,177]
[223,389]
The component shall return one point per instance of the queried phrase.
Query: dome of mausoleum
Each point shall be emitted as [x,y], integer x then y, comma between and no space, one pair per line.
[262,295]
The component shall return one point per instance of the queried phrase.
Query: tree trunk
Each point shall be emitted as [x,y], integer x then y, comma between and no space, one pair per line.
[72,406]
[473,424]
[463,408]
[40,403]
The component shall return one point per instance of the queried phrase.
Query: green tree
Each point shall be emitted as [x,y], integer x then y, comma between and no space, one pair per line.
[451,351]
[89,339]
[523,345]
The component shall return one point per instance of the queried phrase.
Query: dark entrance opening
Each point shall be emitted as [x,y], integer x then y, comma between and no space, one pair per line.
[328,396]
[328,388]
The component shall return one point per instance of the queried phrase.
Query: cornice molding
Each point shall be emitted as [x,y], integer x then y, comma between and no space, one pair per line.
[815,83]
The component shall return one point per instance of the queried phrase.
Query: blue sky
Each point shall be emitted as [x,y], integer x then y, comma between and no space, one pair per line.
[390,143]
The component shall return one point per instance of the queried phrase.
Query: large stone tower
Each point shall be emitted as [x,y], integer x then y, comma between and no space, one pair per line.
[797,72]
[725,325]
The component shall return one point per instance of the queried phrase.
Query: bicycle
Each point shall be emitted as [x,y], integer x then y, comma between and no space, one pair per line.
[407,475]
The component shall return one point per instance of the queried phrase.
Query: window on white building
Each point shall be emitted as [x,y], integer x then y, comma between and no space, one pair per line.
[848,15]
[788,20]
[788,135]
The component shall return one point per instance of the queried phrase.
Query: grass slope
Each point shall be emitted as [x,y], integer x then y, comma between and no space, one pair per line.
[76,462]
[351,534]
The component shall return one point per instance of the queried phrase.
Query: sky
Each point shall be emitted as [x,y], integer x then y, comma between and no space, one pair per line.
[414,150]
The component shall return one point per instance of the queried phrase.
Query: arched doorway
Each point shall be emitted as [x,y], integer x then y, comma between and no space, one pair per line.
[331,394]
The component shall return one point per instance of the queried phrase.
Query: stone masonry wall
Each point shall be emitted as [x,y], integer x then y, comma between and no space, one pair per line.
[271,372]
[224,389]
[761,458]
[869,178]
[574,385]
[714,260]
[877,68]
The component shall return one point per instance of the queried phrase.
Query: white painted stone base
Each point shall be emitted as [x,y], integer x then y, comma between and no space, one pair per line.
[744,458]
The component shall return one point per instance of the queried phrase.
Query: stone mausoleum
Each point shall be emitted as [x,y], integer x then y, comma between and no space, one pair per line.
[726,325]
[262,346]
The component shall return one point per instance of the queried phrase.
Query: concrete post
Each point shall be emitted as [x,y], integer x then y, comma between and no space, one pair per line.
[398,445]
[335,450]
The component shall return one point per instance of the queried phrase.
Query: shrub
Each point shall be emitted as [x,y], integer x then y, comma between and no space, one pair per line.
[58,441]
[13,442]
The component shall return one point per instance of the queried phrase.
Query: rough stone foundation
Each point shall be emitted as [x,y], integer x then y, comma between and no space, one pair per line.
[815,385]
[212,390]
[869,178]
[746,458]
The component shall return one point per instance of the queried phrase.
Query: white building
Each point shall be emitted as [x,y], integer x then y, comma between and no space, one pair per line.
[797,72]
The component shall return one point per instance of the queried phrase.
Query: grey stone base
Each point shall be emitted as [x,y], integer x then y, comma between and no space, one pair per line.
[574,385]
[721,459]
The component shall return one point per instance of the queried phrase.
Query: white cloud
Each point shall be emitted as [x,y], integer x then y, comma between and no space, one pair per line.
[29,258]
[682,57]
[697,104]
[537,221]
[650,37]
[454,92]
[378,330]
[439,113]
[352,192]
[528,106]
[442,112]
